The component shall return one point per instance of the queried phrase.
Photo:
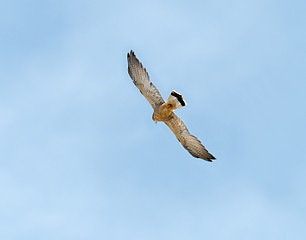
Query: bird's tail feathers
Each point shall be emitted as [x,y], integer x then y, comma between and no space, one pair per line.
[176,100]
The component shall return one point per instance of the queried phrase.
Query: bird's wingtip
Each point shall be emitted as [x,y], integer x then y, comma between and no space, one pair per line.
[131,53]
[211,158]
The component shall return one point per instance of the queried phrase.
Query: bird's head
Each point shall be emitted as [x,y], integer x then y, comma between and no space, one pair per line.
[153,118]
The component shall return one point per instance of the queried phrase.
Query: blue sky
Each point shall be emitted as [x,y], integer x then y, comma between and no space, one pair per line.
[81,158]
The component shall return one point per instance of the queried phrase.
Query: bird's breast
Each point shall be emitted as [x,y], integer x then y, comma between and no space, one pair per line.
[161,113]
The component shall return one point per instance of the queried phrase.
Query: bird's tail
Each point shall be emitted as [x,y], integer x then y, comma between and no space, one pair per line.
[176,100]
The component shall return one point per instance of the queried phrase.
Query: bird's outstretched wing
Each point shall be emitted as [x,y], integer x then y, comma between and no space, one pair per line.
[142,81]
[189,142]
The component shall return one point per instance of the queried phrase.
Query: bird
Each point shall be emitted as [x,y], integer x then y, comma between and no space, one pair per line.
[164,110]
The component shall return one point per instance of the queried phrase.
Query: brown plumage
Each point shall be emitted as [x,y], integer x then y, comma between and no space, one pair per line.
[163,111]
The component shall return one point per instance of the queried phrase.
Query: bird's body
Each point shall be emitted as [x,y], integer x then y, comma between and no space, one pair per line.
[163,111]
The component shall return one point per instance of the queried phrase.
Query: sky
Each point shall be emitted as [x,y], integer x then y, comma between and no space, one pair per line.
[81,158]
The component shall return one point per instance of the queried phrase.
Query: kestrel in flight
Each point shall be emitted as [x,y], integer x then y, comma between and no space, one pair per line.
[163,111]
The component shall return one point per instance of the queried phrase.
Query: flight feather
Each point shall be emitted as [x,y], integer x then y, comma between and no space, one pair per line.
[142,81]
[188,141]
